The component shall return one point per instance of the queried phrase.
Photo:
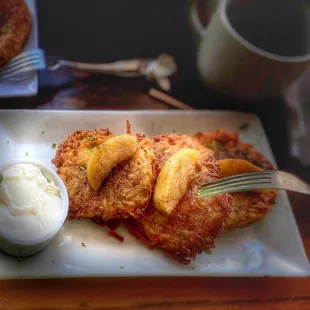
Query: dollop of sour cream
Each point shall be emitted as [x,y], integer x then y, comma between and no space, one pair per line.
[30,203]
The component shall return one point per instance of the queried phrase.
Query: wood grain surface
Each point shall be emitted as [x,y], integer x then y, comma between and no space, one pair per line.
[156,293]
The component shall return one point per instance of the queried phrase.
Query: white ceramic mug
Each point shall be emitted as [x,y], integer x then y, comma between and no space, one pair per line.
[254,49]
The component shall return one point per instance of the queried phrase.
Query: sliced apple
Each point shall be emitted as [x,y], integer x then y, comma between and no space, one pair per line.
[106,156]
[173,179]
[229,167]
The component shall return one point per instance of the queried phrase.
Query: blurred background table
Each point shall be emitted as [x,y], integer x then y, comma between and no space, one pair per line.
[106,31]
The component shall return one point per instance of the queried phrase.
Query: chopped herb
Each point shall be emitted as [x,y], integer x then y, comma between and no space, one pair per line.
[244,126]
[84,166]
[43,132]
[145,151]
[245,152]
[219,144]
[208,251]
[7,141]
[83,245]
[91,138]
[179,215]
[54,146]
[98,147]
[26,153]
[121,267]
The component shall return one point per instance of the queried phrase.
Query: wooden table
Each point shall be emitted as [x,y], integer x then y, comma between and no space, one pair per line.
[150,293]
[96,92]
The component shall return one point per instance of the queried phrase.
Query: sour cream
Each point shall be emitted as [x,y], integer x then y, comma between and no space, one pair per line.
[32,207]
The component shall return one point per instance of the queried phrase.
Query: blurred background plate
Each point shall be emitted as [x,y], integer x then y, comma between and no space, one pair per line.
[30,86]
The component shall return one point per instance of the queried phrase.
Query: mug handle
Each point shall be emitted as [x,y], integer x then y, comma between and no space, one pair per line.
[195,20]
[210,7]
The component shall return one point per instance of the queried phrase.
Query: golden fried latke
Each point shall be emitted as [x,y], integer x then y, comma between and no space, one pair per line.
[15,26]
[248,207]
[226,144]
[194,223]
[124,193]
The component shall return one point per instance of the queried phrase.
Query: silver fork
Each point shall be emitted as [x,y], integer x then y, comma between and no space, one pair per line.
[256,180]
[23,66]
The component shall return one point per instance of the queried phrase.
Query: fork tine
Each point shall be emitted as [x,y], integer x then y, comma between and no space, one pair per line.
[30,67]
[19,78]
[220,190]
[247,182]
[239,177]
[26,54]
[28,62]
[239,180]
[238,183]
[22,64]
[23,60]
[17,74]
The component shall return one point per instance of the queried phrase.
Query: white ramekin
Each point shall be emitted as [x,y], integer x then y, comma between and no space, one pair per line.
[16,247]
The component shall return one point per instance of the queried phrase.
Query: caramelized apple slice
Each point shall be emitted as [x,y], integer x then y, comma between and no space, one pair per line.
[229,167]
[106,156]
[173,179]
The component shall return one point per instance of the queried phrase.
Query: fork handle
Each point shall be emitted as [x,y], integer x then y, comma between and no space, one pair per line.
[291,182]
[126,66]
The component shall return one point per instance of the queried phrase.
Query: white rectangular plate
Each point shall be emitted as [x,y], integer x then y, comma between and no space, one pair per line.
[28,87]
[272,247]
